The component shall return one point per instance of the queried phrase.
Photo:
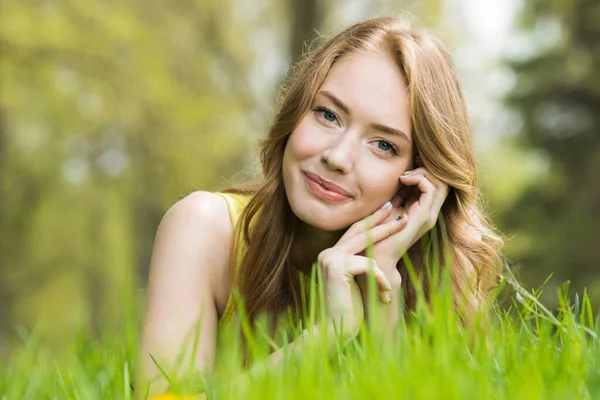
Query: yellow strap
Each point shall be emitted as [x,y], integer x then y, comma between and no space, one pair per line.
[235,203]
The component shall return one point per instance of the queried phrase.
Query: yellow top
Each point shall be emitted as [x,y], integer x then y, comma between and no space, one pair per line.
[236,203]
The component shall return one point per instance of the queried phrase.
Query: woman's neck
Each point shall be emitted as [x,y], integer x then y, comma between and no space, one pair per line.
[308,243]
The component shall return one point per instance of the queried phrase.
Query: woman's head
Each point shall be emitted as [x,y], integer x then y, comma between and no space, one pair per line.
[381,73]
[377,88]
[356,135]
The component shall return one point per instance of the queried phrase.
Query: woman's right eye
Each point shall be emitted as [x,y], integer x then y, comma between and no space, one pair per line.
[327,115]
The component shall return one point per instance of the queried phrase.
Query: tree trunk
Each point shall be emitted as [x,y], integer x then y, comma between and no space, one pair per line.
[306,17]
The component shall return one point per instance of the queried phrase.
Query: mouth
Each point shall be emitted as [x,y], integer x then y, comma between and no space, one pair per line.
[325,189]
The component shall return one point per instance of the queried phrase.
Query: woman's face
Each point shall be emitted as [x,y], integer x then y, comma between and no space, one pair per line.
[344,159]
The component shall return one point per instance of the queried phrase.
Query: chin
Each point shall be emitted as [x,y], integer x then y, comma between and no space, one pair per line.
[327,226]
[325,220]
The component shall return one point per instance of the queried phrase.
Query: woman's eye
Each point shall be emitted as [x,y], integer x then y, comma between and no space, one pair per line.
[327,115]
[386,146]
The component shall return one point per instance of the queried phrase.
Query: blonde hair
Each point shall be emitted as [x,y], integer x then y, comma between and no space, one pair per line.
[266,280]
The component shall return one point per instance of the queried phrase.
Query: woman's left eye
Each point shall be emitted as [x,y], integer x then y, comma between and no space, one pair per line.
[327,115]
[386,146]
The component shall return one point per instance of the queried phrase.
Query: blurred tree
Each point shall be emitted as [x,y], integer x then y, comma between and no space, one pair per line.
[4,298]
[111,112]
[557,99]
[306,18]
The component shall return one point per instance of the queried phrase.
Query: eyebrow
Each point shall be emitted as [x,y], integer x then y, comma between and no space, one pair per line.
[379,127]
[389,130]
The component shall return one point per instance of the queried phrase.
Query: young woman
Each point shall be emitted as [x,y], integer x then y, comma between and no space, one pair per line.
[371,143]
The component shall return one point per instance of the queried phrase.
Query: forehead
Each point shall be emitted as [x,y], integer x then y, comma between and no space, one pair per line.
[371,85]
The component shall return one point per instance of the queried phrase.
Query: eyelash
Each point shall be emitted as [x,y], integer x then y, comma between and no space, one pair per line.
[320,109]
[393,149]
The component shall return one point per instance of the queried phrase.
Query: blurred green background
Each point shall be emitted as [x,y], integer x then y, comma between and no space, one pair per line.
[111,111]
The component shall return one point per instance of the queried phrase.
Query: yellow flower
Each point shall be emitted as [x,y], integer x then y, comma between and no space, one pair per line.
[172,396]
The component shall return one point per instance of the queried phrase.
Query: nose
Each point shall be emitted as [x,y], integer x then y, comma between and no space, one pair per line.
[339,154]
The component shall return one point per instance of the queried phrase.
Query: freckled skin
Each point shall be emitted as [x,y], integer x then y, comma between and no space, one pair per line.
[344,148]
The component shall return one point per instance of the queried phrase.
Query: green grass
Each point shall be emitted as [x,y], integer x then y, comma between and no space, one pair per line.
[526,352]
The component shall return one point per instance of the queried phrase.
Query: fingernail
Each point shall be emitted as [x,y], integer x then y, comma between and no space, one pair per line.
[386,205]
[388,297]
[406,173]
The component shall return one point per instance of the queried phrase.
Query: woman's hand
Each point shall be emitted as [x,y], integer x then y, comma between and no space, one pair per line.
[341,264]
[418,203]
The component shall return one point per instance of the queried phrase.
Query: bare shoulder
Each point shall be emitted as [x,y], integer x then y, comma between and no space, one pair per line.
[188,279]
[197,211]
[200,220]
[192,246]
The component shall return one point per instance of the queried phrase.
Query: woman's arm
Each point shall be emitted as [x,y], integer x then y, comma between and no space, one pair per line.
[189,265]
[191,252]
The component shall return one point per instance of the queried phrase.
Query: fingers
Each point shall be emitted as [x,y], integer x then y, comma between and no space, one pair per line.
[366,223]
[422,172]
[368,266]
[425,186]
[427,183]
[359,242]
[401,196]
[432,197]
[343,268]
[411,178]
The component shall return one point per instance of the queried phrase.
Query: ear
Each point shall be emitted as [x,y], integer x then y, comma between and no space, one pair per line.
[418,161]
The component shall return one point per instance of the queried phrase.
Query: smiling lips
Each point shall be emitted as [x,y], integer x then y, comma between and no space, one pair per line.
[325,189]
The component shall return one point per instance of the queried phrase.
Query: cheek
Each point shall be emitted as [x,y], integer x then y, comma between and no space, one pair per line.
[304,141]
[380,184]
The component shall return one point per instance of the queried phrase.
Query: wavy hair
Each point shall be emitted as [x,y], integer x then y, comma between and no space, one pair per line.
[265,279]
